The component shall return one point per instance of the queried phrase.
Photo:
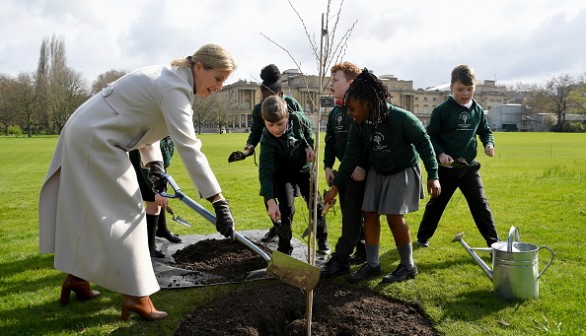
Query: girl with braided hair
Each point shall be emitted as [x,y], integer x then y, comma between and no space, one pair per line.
[393,140]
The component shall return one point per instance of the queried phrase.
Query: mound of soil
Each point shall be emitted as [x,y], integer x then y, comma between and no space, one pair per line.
[275,308]
[229,259]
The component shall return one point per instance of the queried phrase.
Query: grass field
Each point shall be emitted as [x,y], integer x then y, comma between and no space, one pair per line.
[536,181]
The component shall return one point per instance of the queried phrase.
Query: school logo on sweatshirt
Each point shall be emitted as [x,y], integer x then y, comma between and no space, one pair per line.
[293,143]
[464,124]
[377,139]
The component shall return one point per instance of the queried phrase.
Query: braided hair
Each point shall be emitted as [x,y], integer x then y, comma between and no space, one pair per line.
[271,83]
[367,87]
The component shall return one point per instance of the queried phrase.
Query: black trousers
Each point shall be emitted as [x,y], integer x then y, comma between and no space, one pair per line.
[284,188]
[469,181]
[351,196]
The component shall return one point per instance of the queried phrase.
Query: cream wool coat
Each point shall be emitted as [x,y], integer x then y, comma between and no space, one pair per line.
[91,214]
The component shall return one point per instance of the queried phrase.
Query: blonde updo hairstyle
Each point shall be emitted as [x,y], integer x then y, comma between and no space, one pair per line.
[211,56]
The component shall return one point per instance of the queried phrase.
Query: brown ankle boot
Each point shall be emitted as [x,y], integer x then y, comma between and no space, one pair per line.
[143,306]
[79,286]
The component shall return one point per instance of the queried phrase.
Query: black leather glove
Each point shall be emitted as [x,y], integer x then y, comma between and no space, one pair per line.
[224,220]
[157,177]
[236,156]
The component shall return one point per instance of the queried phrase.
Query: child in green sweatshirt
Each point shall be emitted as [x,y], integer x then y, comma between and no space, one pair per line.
[453,128]
[393,140]
[286,155]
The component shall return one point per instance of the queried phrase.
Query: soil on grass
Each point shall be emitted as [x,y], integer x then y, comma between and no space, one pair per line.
[275,308]
[229,259]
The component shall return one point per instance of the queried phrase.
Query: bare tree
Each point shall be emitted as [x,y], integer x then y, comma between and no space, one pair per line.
[554,98]
[7,116]
[106,78]
[24,102]
[328,52]
[203,109]
[66,86]
[67,93]
[223,115]
[42,87]
[577,96]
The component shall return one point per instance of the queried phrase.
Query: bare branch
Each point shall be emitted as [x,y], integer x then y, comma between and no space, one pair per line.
[312,42]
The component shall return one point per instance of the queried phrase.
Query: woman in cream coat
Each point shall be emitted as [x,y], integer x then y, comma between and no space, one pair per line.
[91,214]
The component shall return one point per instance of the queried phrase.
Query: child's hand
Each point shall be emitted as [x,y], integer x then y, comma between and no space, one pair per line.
[489,150]
[445,160]
[358,174]
[310,155]
[434,188]
[161,201]
[331,195]
[329,176]
[273,210]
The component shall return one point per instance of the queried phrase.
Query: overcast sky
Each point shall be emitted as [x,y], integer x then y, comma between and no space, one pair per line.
[512,41]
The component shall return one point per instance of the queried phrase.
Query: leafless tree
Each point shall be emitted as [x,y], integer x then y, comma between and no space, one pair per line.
[7,116]
[42,87]
[24,102]
[69,92]
[106,78]
[554,98]
[222,112]
[66,86]
[577,96]
[519,92]
[203,109]
[327,50]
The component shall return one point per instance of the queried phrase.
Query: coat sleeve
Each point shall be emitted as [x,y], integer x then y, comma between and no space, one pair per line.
[266,168]
[417,135]
[257,126]
[330,142]
[483,131]
[355,153]
[434,129]
[178,114]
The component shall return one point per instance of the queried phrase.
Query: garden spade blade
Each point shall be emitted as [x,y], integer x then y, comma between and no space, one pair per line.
[178,219]
[279,265]
[293,271]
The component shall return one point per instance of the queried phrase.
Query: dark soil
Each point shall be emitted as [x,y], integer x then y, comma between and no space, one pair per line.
[275,308]
[226,258]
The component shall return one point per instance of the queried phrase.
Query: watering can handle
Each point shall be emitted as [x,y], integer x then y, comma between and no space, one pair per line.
[550,260]
[513,231]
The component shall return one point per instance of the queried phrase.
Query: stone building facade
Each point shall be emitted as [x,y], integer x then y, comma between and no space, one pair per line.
[241,97]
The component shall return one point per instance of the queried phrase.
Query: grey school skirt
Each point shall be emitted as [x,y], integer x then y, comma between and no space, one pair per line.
[395,194]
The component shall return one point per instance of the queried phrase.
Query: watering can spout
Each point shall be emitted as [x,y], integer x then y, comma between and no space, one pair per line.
[485,268]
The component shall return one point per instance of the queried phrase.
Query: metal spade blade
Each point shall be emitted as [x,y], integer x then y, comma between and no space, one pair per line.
[177,219]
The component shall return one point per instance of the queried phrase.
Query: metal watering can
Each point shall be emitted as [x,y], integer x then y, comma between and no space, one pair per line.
[515,266]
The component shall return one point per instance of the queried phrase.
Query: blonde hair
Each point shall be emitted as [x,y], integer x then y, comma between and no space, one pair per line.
[211,56]
[274,108]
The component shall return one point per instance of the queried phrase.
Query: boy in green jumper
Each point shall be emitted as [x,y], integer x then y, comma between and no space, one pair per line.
[453,128]
[271,85]
[352,193]
[393,140]
[285,164]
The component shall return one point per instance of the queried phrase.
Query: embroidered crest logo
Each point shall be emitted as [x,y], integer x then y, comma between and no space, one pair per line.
[464,117]
[378,139]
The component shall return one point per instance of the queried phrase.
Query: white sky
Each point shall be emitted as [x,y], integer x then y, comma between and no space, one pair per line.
[512,41]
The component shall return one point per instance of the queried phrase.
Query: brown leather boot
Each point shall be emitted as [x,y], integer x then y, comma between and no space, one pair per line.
[79,286]
[143,306]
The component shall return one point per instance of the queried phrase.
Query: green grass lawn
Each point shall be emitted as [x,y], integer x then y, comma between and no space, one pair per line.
[536,181]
